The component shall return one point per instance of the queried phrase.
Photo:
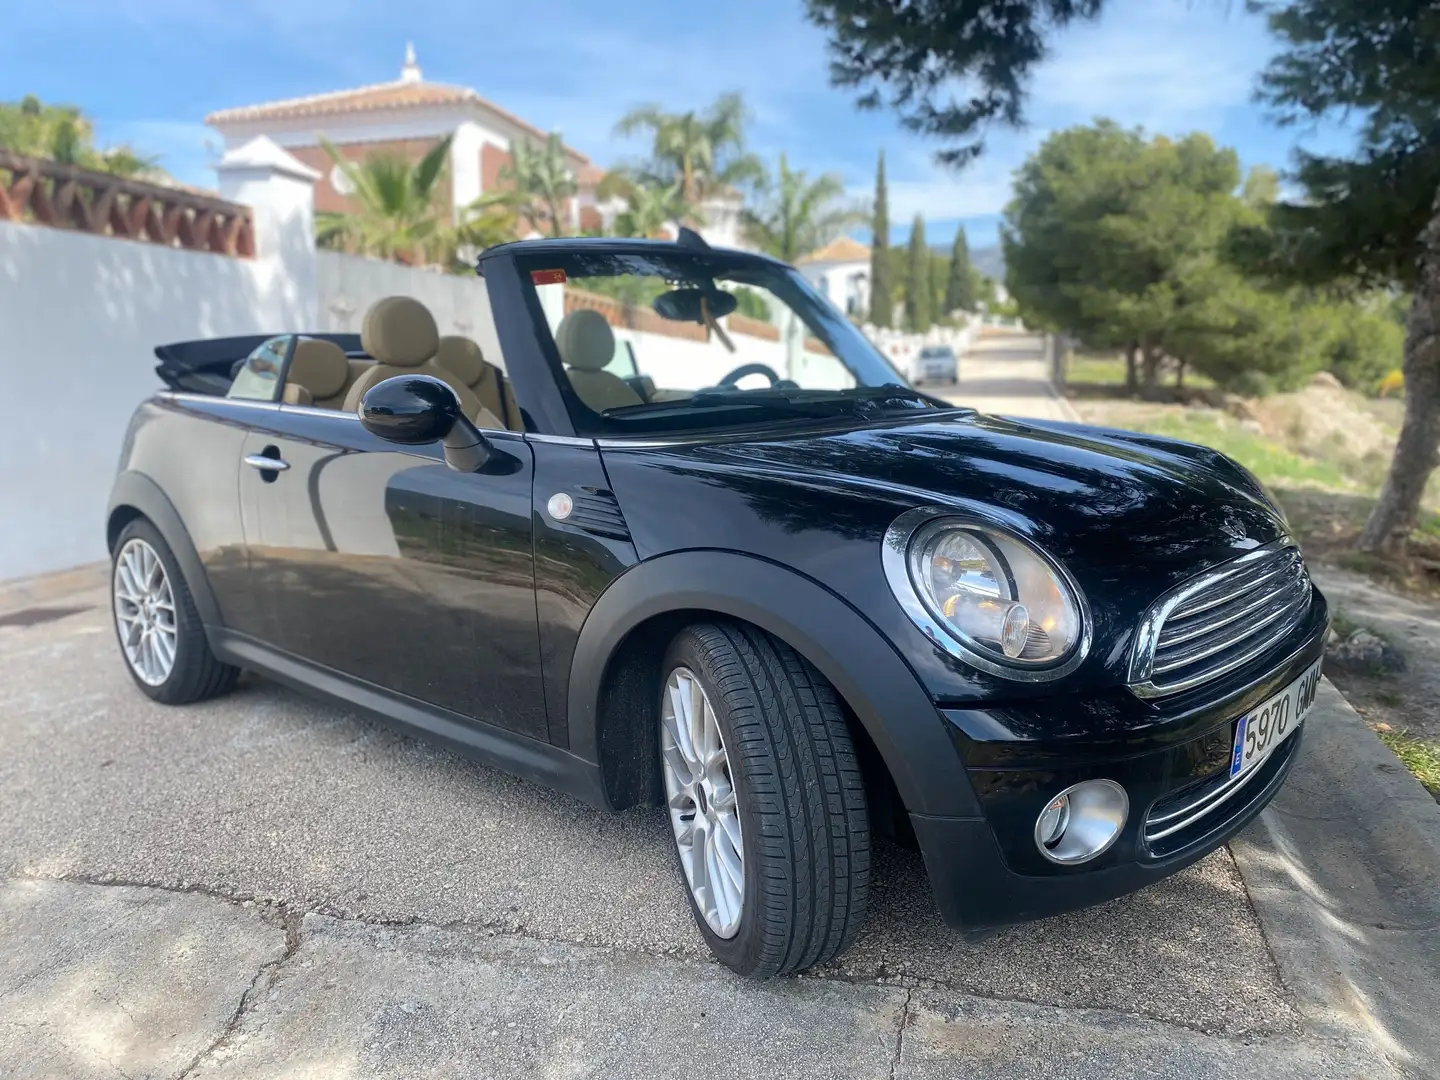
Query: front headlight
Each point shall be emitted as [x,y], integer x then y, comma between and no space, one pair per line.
[985,595]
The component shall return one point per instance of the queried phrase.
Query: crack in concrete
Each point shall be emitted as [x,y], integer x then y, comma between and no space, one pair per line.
[267,974]
[900,1033]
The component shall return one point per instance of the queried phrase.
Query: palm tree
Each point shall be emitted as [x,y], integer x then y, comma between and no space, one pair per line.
[542,180]
[649,206]
[797,214]
[700,152]
[400,214]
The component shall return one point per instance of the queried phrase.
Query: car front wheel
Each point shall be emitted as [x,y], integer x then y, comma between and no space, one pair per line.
[765,799]
[161,637]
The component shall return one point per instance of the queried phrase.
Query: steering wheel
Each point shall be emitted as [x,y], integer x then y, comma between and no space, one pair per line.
[751,369]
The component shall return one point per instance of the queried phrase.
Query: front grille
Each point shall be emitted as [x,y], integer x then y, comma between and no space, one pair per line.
[1220,621]
[1177,820]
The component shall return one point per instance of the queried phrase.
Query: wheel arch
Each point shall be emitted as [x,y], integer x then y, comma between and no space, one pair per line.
[620,649]
[135,495]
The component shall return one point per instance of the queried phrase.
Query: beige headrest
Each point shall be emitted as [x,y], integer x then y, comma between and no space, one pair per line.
[399,331]
[462,358]
[585,340]
[319,366]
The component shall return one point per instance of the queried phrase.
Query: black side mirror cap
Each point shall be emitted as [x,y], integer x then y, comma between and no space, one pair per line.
[414,410]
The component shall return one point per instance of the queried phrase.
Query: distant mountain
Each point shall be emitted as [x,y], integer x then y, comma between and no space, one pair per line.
[990,261]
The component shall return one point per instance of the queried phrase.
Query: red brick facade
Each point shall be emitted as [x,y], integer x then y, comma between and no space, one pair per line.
[327,199]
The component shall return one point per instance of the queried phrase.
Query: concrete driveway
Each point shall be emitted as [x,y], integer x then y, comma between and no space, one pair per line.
[267,886]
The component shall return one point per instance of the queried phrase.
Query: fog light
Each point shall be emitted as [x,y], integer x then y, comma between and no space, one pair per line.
[1082,821]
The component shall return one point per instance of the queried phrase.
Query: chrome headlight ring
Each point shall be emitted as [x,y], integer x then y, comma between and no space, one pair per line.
[896,559]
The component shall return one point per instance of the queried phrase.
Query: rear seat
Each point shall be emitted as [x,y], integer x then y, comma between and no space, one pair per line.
[462,358]
[320,374]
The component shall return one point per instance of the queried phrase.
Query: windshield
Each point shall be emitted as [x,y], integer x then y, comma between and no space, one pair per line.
[694,339]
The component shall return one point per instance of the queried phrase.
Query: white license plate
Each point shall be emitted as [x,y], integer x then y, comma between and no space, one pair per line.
[1261,730]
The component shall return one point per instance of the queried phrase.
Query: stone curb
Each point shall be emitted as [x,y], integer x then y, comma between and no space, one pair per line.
[19,593]
[1343,869]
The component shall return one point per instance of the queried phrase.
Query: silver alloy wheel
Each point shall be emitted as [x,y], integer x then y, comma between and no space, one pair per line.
[145,612]
[704,811]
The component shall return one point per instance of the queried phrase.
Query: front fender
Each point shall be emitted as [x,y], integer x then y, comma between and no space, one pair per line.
[136,491]
[870,675]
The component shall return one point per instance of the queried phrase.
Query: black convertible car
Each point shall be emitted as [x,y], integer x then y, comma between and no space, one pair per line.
[669,531]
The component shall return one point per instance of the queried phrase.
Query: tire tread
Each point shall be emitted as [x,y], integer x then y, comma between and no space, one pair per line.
[806,789]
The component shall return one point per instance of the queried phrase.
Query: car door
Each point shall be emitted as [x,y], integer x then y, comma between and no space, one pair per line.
[384,564]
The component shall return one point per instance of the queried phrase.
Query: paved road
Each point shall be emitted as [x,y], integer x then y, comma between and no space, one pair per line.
[266,885]
[1007,374]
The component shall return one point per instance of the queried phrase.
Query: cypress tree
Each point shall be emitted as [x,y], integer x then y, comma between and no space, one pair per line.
[881,281]
[917,281]
[960,291]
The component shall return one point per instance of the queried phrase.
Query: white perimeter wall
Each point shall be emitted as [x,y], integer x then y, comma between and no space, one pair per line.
[80,316]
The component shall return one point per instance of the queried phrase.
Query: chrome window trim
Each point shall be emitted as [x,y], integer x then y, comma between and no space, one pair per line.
[1147,634]
[895,559]
[312,410]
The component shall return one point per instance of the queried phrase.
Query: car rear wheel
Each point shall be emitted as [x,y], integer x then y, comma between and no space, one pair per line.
[765,800]
[161,637]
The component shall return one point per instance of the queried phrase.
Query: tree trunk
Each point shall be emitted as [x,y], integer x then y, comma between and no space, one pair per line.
[1180,374]
[1132,374]
[1151,370]
[1416,454]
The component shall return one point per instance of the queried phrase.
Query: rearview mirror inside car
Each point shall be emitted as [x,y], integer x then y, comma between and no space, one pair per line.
[417,409]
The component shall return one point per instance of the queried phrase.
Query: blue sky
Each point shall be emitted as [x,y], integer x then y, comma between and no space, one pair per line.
[149,70]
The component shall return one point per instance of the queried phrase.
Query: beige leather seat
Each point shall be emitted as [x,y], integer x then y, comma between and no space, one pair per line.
[586,344]
[400,333]
[319,374]
[462,358]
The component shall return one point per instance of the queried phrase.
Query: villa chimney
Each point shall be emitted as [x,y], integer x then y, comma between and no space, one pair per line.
[410,71]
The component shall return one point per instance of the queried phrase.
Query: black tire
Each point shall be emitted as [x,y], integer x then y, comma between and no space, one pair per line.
[804,824]
[196,674]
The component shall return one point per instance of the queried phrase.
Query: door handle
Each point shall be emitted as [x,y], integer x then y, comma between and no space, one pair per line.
[266,463]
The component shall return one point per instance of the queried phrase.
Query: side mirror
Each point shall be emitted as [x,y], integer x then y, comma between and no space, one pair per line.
[417,409]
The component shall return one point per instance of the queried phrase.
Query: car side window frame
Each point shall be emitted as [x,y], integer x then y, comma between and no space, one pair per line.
[280,368]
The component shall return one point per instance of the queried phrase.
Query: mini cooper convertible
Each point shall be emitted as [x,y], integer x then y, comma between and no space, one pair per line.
[667,530]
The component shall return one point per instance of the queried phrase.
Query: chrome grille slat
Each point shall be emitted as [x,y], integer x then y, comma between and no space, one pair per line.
[1176,658]
[1220,620]
[1217,617]
[1234,585]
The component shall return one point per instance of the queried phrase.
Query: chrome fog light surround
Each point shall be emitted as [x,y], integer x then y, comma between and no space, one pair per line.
[1081,822]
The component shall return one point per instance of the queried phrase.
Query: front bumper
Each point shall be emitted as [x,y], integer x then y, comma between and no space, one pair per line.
[986,872]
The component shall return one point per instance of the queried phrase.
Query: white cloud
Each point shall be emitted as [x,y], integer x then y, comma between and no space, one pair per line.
[1161,64]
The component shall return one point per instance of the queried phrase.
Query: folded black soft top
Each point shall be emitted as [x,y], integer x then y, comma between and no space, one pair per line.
[204,366]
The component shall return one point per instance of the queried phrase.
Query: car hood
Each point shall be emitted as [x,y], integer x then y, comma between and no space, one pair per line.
[1129,515]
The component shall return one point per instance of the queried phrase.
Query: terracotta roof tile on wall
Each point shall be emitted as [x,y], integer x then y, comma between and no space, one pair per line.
[842,249]
[392,95]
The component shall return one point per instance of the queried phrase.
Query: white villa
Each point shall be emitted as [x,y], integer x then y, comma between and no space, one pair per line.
[841,270]
[406,117]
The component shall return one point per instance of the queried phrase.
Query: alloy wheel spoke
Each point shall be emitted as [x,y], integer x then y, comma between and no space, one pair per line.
[164,648]
[684,740]
[674,754]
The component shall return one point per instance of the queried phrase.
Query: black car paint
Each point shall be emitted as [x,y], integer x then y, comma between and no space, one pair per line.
[453,603]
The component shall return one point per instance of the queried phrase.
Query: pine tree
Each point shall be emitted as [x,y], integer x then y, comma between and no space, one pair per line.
[917,280]
[960,291]
[881,281]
